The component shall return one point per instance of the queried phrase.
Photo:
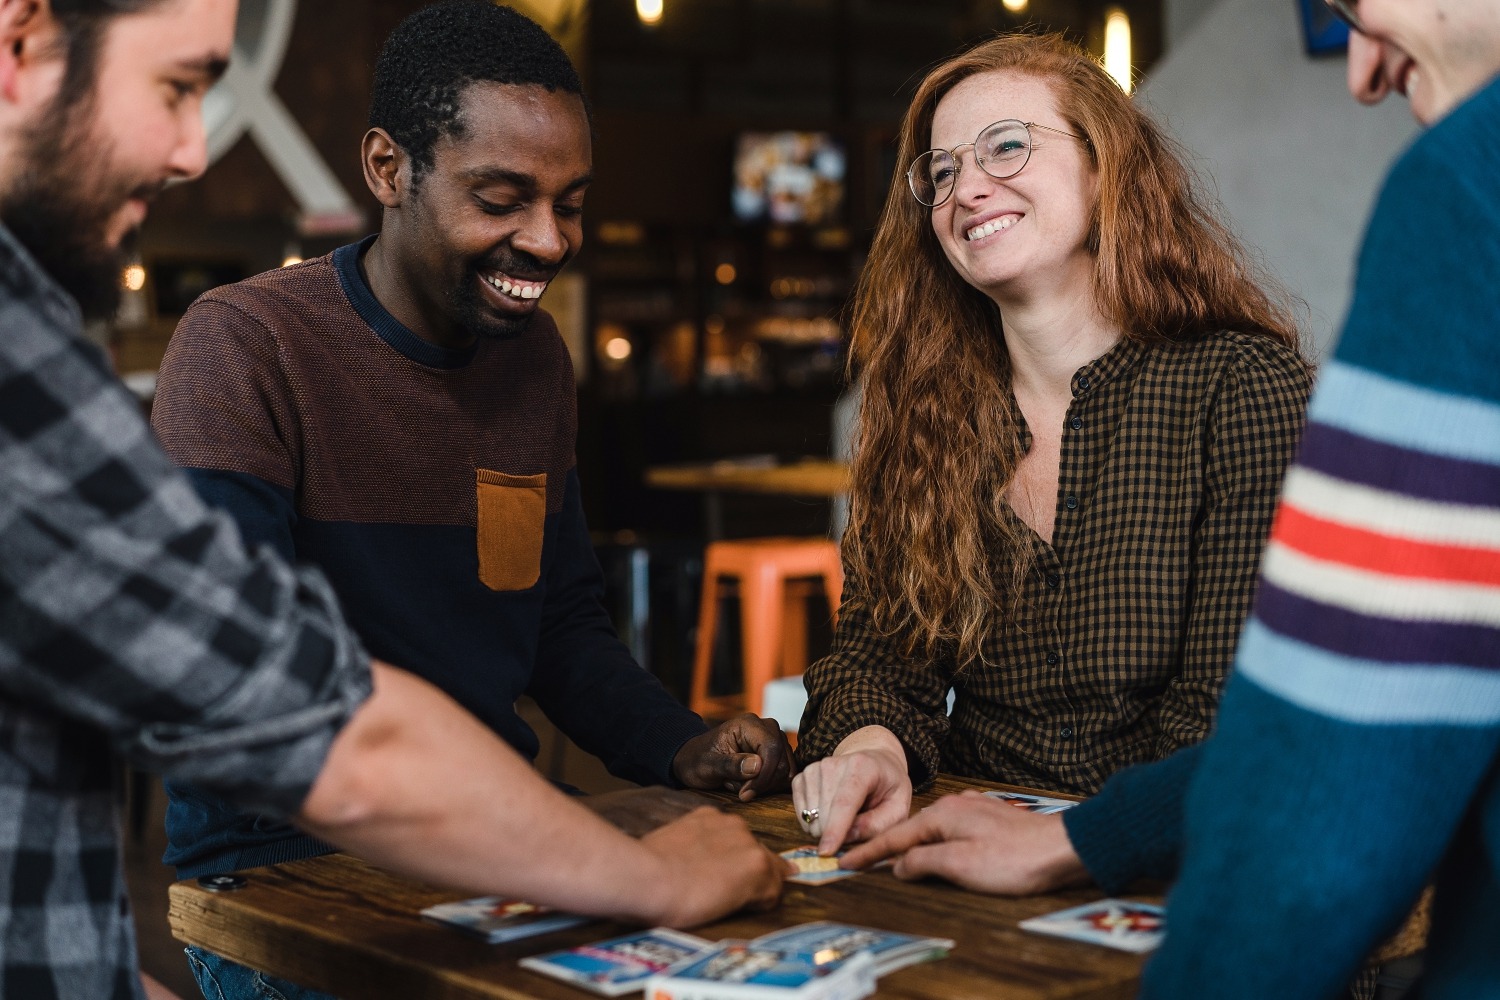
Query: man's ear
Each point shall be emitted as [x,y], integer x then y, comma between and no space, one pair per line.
[387,167]
[28,37]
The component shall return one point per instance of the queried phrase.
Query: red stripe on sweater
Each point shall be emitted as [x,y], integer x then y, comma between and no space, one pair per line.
[1359,548]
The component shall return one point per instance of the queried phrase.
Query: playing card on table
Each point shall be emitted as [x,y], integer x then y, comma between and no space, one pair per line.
[497,919]
[813,868]
[1043,804]
[1114,923]
[620,965]
[824,941]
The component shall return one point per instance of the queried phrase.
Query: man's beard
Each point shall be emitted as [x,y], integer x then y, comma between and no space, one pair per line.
[467,303]
[60,207]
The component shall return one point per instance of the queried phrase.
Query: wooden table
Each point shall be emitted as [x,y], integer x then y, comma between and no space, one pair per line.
[808,478]
[338,924]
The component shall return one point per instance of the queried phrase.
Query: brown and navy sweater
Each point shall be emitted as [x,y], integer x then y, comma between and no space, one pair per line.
[435,488]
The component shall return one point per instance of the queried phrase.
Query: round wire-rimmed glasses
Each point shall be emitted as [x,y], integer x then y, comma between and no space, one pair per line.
[1001,150]
[1345,11]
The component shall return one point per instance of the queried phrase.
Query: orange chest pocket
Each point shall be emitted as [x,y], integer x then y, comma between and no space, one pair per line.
[512,516]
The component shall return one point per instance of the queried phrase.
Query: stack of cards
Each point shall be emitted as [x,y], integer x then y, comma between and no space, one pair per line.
[825,941]
[1043,804]
[620,965]
[497,919]
[740,970]
[1115,923]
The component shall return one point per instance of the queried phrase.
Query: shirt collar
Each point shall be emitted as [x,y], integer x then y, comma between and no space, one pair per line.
[1113,363]
[390,329]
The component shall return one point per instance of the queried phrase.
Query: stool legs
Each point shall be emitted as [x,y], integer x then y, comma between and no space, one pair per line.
[774,630]
[762,599]
[703,656]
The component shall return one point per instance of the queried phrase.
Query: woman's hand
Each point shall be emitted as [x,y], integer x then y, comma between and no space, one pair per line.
[862,789]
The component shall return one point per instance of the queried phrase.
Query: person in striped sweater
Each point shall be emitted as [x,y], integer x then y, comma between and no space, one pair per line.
[1357,753]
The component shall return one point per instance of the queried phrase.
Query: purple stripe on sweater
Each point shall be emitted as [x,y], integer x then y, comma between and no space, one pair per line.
[1418,474]
[1382,640]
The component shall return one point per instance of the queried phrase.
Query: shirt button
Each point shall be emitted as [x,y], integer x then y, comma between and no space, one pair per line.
[1083,384]
[1076,423]
[1051,659]
[1053,580]
[1066,732]
[1070,502]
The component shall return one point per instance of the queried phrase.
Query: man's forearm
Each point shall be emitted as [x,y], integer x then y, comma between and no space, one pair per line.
[415,783]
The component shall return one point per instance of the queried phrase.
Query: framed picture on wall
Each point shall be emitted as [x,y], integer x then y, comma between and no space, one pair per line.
[1322,33]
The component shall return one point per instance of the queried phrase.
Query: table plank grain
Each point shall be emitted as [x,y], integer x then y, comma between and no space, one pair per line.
[338,924]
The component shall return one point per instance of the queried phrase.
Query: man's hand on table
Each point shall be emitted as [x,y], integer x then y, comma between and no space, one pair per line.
[638,811]
[714,866]
[980,843]
[747,754]
[862,789]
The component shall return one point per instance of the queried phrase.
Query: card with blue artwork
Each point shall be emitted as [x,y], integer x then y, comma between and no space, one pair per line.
[620,965]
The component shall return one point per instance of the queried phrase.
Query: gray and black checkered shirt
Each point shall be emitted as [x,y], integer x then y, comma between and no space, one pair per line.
[132,625]
[1172,459]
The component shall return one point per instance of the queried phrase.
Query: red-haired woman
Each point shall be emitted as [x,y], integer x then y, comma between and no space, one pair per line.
[1078,406]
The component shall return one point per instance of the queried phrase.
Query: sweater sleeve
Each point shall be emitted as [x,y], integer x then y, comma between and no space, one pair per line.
[225,412]
[1132,829]
[1362,723]
[586,680]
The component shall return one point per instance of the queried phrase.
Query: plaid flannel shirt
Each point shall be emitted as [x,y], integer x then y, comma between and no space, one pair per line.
[135,626]
[1172,459]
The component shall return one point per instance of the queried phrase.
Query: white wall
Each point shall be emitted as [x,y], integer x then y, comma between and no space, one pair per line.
[1295,161]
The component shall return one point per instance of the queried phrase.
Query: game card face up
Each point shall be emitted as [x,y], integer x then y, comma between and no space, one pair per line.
[813,868]
[497,919]
[620,965]
[1042,804]
[1114,923]
[825,941]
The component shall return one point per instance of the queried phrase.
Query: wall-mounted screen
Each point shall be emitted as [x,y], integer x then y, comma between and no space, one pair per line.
[788,178]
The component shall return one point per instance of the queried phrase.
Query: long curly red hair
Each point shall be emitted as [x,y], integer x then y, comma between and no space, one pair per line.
[938,440]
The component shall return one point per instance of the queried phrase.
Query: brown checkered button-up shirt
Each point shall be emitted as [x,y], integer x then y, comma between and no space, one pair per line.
[1172,459]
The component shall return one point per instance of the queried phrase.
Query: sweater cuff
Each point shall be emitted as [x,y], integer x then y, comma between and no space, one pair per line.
[667,740]
[1133,828]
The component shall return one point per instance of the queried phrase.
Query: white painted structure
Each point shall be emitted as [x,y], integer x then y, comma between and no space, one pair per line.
[1294,160]
[245,101]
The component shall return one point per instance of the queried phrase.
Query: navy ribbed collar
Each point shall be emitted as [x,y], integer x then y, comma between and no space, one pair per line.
[389,328]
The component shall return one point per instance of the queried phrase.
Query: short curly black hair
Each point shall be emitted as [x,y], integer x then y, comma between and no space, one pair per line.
[439,50]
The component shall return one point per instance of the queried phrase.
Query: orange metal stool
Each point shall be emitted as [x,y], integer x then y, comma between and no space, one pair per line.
[769,625]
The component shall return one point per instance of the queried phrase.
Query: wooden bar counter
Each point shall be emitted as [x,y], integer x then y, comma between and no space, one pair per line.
[340,925]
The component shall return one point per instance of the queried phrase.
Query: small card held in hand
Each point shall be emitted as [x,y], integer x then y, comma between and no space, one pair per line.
[815,869]
[1114,923]
[497,919]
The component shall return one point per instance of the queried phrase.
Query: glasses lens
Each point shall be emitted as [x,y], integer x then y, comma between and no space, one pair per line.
[1344,10]
[931,177]
[1003,148]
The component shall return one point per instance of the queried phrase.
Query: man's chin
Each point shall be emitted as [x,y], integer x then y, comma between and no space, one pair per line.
[503,328]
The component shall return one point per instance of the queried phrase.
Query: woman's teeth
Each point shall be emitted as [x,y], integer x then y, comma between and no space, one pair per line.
[991,227]
[517,289]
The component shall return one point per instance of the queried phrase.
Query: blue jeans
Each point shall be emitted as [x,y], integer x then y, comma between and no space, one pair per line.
[221,979]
